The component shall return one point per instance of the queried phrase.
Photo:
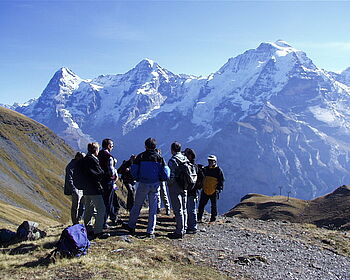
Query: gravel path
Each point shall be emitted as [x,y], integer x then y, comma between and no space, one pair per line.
[252,249]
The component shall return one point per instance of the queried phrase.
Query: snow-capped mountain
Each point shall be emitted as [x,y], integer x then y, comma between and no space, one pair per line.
[272,117]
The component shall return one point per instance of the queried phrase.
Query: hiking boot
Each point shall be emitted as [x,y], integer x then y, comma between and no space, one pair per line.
[102,235]
[212,219]
[106,226]
[91,236]
[128,228]
[116,222]
[150,235]
[175,235]
[191,231]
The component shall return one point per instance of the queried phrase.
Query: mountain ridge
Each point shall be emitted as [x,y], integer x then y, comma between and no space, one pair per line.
[272,104]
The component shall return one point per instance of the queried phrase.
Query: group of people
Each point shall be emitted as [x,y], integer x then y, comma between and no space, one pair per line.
[91,181]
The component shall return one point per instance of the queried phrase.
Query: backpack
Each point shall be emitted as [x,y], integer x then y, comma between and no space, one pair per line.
[200,177]
[186,174]
[7,237]
[78,175]
[29,231]
[73,241]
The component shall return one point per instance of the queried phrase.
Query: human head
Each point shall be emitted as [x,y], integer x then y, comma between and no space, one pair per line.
[190,154]
[93,148]
[79,155]
[150,143]
[212,160]
[107,144]
[175,147]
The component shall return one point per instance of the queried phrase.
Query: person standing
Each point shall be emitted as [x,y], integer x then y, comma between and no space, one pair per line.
[93,190]
[107,163]
[148,170]
[163,195]
[75,191]
[213,184]
[178,196]
[128,181]
[192,194]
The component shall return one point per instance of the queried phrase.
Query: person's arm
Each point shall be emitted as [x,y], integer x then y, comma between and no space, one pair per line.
[221,180]
[69,171]
[172,165]
[111,169]
[135,168]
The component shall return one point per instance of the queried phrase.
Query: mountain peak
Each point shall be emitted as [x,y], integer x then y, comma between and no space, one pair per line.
[65,73]
[146,63]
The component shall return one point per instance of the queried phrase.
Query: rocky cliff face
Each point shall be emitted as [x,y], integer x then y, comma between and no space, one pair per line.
[272,117]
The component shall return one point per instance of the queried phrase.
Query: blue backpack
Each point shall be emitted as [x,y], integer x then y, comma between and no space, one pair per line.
[73,241]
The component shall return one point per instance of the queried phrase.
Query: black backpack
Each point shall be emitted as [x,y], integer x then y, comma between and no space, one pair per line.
[200,177]
[186,174]
[28,230]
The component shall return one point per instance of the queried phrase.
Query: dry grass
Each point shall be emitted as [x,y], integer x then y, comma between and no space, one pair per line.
[118,257]
[12,216]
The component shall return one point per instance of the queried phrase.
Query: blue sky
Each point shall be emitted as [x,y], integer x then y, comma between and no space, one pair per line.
[192,37]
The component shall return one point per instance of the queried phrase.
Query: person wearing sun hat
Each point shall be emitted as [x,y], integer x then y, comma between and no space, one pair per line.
[213,184]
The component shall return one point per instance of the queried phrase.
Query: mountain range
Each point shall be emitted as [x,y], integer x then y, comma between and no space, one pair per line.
[276,121]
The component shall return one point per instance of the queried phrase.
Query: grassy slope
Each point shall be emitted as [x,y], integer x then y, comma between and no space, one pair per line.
[332,210]
[33,161]
[118,257]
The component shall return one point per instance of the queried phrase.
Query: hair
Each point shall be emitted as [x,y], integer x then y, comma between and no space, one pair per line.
[79,155]
[176,147]
[93,147]
[150,143]
[106,142]
[190,153]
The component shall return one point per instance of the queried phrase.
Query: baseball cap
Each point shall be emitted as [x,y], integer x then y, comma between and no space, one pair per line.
[212,157]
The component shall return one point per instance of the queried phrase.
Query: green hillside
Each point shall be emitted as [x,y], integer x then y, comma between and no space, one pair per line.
[32,165]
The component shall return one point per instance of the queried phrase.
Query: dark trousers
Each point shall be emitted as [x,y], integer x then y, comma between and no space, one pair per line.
[203,201]
[112,204]
[131,195]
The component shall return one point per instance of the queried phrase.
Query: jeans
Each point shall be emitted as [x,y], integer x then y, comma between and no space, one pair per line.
[91,202]
[151,191]
[77,208]
[178,198]
[192,212]
[164,197]
[112,204]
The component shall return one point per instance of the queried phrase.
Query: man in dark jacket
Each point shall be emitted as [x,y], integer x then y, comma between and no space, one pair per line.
[213,184]
[93,190]
[107,163]
[148,170]
[71,188]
